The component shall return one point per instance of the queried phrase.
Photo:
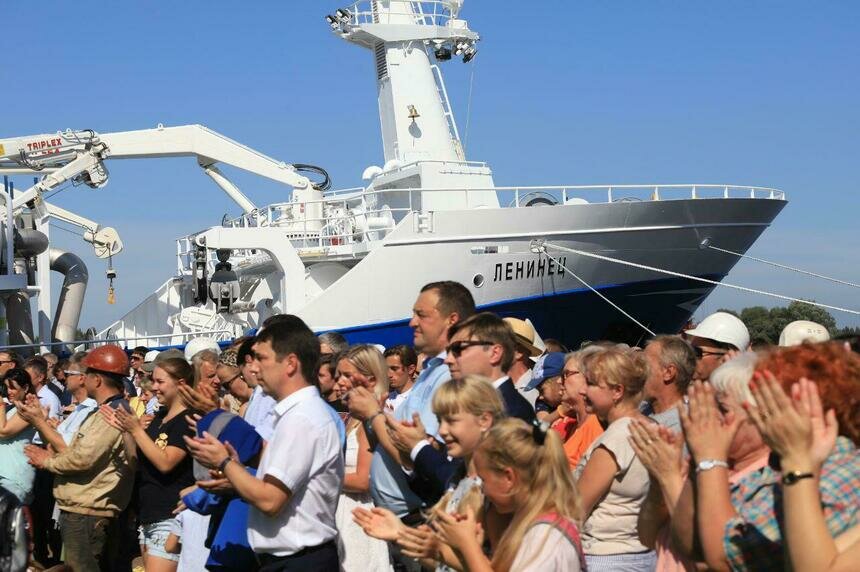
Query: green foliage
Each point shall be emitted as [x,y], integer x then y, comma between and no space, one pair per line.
[765,325]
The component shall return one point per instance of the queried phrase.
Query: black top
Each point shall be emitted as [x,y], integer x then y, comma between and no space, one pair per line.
[159,492]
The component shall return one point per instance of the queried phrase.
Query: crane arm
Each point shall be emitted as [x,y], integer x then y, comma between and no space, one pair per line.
[80,155]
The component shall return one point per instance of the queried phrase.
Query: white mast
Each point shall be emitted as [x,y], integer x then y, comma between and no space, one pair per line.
[417,123]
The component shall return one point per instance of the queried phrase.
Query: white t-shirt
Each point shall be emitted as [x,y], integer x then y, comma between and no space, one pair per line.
[193,530]
[391,403]
[305,455]
[612,526]
[544,548]
[48,399]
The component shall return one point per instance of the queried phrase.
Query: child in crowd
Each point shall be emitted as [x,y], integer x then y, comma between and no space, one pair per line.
[467,409]
[525,474]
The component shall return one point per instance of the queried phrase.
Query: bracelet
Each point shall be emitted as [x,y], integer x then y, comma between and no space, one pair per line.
[370,419]
[792,477]
[708,464]
[223,464]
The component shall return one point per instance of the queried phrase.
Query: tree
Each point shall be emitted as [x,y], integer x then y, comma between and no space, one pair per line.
[766,325]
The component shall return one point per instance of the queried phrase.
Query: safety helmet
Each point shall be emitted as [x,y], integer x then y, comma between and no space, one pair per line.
[197,345]
[108,359]
[801,331]
[724,328]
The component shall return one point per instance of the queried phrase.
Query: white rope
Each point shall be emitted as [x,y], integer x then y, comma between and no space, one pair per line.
[605,299]
[541,246]
[838,281]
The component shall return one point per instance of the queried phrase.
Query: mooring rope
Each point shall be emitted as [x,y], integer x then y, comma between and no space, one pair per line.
[539,245]
[785,267]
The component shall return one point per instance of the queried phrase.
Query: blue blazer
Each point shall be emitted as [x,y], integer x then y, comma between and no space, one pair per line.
[515,404]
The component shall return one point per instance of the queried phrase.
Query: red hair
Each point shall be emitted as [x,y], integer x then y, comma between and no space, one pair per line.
[835,371]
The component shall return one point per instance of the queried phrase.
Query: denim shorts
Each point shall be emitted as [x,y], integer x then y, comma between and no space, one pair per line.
[153,536]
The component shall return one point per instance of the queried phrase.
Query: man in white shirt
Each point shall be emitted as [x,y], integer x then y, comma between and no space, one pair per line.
[401,361]
[37,367]
[293,498]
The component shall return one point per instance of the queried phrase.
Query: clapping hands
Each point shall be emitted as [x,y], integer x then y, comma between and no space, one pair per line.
[796,428]
[659,449]
[708,432]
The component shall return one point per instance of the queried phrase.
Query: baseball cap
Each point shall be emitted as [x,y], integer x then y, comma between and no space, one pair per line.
[549,366]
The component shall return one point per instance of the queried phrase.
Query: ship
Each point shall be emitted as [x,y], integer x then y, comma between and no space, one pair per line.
[582,262]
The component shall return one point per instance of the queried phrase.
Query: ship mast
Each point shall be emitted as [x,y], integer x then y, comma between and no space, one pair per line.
[415,116]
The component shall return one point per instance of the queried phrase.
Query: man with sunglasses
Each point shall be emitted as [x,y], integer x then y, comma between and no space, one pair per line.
[60,437]
[484,345]
[712,340]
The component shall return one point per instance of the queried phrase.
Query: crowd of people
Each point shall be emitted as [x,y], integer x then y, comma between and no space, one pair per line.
[478,447]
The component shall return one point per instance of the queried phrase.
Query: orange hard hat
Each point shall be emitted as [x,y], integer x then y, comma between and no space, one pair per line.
[109,359]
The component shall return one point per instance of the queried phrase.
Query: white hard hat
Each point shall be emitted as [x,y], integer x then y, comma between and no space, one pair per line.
[801,331]
[197,345]
[150,356]
[724,328]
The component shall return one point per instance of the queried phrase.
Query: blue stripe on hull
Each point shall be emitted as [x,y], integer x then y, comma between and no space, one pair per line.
[577,315]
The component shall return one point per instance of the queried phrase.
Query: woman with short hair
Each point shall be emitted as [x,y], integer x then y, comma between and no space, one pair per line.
[612,481]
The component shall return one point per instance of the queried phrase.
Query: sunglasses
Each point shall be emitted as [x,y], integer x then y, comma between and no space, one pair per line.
[232,379]
[700,353]
[72,372]
[569,373]
[456,348]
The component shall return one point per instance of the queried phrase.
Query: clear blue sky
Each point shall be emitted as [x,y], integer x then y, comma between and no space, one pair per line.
[758,93]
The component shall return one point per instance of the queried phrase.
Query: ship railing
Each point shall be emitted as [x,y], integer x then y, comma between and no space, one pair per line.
[83,345]
[427,13]
[353,216]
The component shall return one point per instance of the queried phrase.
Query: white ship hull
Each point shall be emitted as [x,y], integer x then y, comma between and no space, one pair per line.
[489,251]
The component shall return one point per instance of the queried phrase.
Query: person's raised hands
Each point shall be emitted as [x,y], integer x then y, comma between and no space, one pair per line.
[202,398]
[708,432]
[362,403]
[458,530]
[660,450]
[796,428]
[419,542]
[404,434]
[378,522]
[30,410]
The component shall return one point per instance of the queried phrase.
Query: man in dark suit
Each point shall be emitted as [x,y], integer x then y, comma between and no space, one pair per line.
[484,345]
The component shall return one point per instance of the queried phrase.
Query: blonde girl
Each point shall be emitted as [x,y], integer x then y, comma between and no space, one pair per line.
[360,366]
[525,474]
[467,409]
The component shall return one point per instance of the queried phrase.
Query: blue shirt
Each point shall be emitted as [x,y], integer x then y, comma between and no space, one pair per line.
[388,483]
[69,427]
[420,398]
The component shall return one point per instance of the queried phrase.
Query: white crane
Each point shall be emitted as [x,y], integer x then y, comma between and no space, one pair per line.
[79,157]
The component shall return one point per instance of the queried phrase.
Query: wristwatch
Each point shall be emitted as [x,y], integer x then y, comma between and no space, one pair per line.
[223,464]
[792,477]
[708,464]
